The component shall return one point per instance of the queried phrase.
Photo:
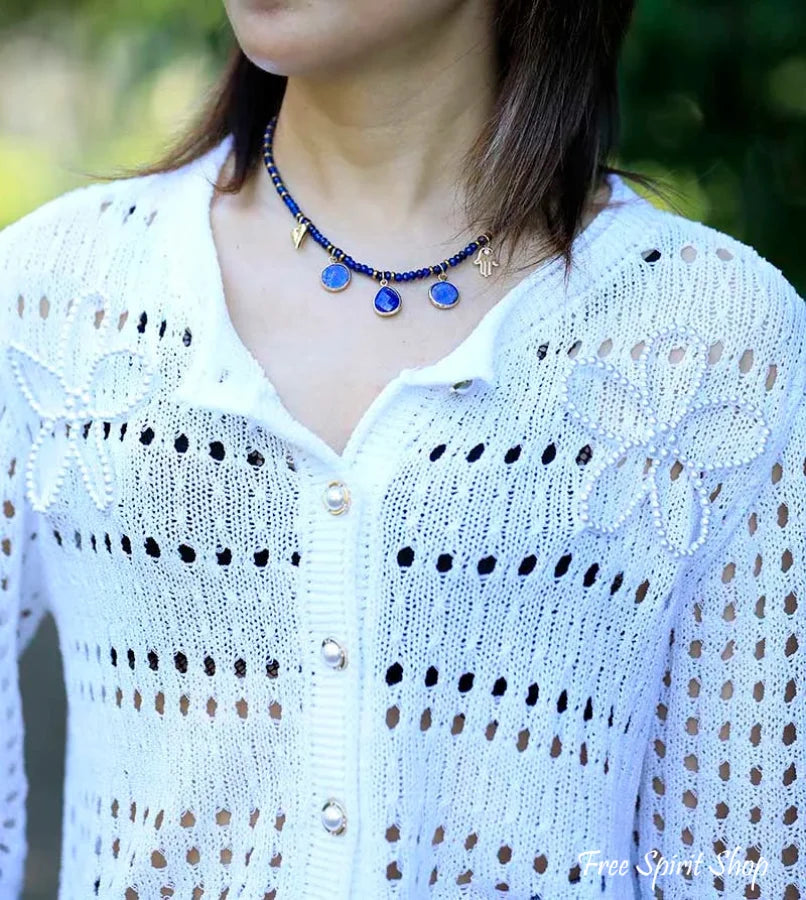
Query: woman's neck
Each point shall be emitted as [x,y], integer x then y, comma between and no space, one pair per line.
[388,135]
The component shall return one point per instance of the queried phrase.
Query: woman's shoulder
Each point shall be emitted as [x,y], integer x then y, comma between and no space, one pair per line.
[673,243]
[672,267]
[695,338]
[71,243]
[683,289]
[51,254]
[74,212]
[89,222]
[99,245]
[56,243]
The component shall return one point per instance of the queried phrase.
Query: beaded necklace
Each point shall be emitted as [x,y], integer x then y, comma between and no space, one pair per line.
[337,274]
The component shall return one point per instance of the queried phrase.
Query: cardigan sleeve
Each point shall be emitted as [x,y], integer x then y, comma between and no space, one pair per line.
[723,783]
[22,607]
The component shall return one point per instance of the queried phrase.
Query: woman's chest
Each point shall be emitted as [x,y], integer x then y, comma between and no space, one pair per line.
[328,354]
[329,358]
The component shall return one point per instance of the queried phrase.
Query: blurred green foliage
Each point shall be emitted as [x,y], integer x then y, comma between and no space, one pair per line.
[713,102]
[714,94]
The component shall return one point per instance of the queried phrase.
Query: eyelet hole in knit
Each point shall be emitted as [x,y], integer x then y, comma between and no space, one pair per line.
[475,453]
[676,355]
[746,361]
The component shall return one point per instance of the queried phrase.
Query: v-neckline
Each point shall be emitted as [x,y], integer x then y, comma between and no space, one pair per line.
[247,389]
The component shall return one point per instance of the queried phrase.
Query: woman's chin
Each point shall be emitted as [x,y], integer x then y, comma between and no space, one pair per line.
[294,54]
[291,62]
[284,40]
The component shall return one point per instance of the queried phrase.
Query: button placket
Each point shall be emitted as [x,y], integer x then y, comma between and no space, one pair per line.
[328,513]
[336,499]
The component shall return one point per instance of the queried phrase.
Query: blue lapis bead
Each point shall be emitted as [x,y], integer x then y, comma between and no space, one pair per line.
[335,277]
[443,294]
[387,301]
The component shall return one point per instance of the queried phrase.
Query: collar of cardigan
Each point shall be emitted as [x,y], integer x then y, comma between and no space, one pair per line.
[224,376]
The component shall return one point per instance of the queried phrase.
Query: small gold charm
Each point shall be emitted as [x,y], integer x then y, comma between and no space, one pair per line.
[485,260]
[298,233]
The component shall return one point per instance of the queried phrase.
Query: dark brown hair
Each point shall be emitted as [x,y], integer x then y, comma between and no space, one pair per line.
[544,152]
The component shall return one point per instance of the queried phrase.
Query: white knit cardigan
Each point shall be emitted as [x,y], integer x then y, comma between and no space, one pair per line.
[538,632]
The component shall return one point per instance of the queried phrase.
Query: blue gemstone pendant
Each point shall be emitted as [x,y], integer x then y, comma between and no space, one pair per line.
[387,300]
[443,294]
[335,277]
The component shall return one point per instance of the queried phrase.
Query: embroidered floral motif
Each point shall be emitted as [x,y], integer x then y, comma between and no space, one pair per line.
[664,436]
[86,382]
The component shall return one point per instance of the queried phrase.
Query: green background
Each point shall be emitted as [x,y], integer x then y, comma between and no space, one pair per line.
[713,102]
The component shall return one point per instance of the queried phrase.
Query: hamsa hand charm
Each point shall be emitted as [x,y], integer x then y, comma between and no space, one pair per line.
[485,260]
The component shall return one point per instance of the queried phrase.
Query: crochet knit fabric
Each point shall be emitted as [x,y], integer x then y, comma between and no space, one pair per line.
[538,633]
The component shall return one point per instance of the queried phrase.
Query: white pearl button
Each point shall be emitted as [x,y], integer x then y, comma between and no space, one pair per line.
[336,498]
[333,817]
[461,387]
[333,653]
